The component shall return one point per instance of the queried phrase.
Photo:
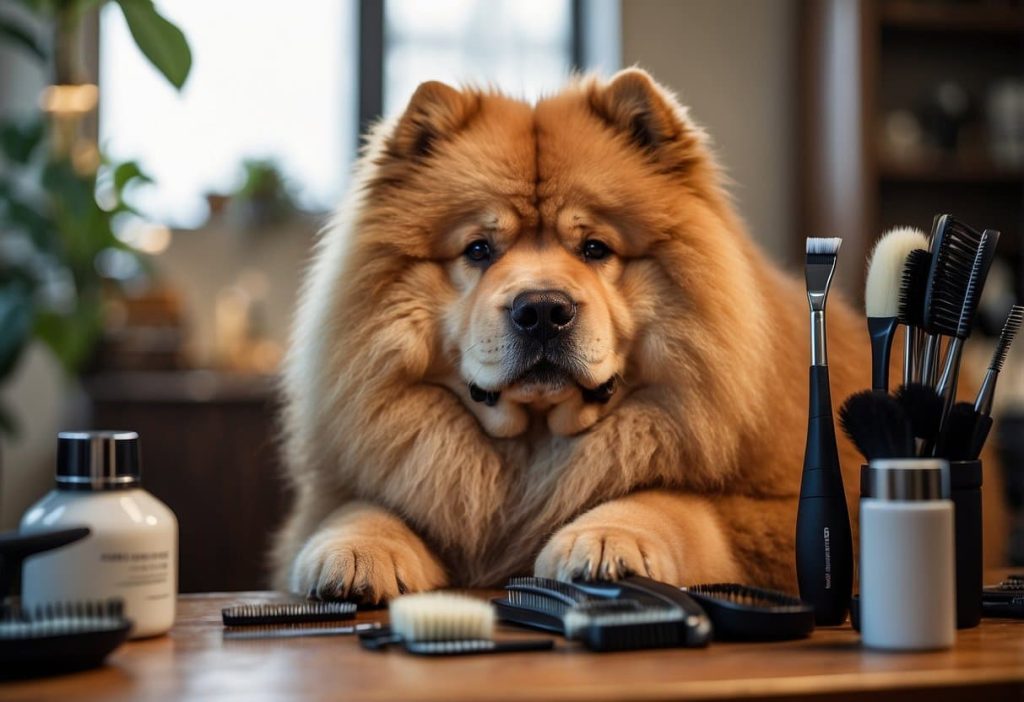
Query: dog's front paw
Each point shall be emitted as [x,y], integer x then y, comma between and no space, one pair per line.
[361,568]
[605,553]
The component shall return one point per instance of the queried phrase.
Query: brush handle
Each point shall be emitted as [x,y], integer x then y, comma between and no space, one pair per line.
[946,388]
[930,359]
[824,545]
[909,354]
[882,331]
[987,392]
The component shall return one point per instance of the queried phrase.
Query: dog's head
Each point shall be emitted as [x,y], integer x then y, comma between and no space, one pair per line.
[561,248]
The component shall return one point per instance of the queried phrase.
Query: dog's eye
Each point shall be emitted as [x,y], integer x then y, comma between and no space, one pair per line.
[594,250]
[478,252]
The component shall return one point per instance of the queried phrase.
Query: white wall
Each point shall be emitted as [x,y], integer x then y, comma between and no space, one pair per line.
[733,62]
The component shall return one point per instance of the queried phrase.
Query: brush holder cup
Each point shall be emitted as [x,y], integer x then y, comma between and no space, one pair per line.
[965,492]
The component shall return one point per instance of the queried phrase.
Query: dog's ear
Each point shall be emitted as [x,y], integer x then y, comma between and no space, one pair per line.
[633,104]
[436,112]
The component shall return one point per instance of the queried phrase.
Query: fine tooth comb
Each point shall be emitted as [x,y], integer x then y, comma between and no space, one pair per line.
[249,633]
[289,613]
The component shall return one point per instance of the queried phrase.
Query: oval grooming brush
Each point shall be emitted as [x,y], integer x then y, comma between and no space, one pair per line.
[742,613]
[60,637]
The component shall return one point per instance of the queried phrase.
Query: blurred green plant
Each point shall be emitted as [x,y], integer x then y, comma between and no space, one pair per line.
[58,215]
[264,196]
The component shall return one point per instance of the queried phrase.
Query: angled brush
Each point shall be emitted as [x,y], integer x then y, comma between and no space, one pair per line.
[913,287]
[882,296]
[822,509]
[877,425]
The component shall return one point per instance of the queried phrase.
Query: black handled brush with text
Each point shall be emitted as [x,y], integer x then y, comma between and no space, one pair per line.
[824,544]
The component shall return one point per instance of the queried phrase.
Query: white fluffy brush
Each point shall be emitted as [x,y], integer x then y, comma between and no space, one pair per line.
[882,295]
[441,616]
[445,624]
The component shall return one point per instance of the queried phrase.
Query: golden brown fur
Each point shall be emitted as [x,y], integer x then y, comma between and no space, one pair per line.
[689,473]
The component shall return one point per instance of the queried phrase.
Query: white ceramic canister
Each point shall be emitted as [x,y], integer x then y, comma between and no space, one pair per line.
[907,568]
[131,552]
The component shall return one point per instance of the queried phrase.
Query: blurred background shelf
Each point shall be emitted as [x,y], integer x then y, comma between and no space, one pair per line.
[949,172]
[953,18]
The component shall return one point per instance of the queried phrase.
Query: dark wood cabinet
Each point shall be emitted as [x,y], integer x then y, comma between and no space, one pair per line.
[209,450]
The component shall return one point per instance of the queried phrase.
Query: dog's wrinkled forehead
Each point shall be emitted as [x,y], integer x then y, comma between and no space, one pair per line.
[596,148]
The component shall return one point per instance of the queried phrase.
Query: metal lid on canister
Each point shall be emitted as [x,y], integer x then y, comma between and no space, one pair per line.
[908,479]
[98,460]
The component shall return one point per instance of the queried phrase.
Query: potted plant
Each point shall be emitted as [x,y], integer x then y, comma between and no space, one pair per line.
[59,197]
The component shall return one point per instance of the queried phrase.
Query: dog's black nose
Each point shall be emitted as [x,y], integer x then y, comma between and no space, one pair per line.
[542,314]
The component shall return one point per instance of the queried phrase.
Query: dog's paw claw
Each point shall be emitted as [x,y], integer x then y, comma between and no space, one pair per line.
[363,570]
[606,553]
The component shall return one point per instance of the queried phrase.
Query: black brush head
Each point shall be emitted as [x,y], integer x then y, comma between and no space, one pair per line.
[877,425]
[923,408]
[1010,328]
[958,436]
[960,261]
[914,287]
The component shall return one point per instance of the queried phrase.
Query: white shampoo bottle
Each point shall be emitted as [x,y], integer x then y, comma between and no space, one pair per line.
[132,550]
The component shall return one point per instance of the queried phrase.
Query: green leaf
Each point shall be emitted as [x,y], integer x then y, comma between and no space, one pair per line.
[22,36]
[126,173]
[72,337]
[159,40]
[15,325]
[19,141]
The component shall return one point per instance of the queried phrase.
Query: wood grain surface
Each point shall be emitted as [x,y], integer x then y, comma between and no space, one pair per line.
[194,662]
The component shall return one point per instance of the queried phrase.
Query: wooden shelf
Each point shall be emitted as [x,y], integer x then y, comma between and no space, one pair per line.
[949,172]
[979,17]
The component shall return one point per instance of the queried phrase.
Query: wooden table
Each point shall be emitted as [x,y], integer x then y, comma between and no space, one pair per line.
[195,663]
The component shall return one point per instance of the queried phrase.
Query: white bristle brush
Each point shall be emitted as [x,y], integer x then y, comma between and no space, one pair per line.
[882,295]
[445,624]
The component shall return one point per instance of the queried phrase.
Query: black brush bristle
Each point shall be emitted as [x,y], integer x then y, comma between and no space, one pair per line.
[289,613]
[958,435]
[923,408]
[955,262]
[877,425]
[1010,328]
[913,288]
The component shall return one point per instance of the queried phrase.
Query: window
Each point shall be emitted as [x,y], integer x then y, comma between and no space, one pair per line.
[269,80]
[522,46]
[282,81]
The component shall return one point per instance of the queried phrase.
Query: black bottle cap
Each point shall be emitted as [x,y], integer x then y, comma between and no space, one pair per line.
[98,460]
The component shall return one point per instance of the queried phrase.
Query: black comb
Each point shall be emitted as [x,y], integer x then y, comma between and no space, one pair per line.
[289,613]
[743,613]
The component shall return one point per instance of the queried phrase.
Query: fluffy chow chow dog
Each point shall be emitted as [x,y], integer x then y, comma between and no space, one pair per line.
[537,338]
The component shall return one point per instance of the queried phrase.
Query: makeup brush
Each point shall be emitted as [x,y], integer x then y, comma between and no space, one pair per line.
[913,287]
[983,402]
[983,258]
[954,250]
[824,548]
[877,425]
[958,437]
[882,296]
[923,408]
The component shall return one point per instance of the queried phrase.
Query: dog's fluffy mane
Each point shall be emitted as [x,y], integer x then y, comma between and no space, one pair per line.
[706,409]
